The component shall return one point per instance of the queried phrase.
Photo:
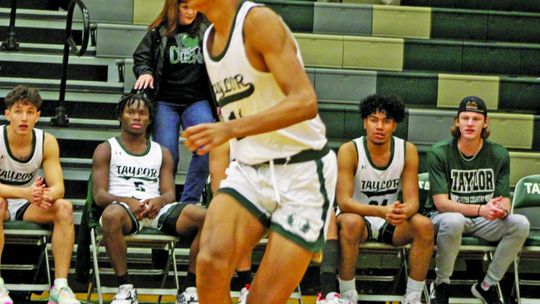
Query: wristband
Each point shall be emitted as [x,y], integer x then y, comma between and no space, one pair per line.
[480,206]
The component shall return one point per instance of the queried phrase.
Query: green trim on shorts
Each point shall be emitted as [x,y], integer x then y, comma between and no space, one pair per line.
[316,246]
[263,219]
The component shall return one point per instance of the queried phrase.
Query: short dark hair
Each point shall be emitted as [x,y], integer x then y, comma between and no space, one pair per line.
[131,98]
[23,93]
[391,105]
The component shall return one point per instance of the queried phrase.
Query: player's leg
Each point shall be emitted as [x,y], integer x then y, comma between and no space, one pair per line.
[4,216]
[230,232]
[117,222]
[280,271]
[352,232]
[60,214]
[418,231]
[328,267]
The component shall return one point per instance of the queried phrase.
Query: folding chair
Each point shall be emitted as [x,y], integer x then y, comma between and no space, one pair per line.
[28,233]
[526,202]
[470,246]
[148,238]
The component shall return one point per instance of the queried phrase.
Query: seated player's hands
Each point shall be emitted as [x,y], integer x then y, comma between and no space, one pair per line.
[35,191]
[144,81]
[46,199]
[493,209]
[205,137]
[136,206]
[396,216]
[152,207]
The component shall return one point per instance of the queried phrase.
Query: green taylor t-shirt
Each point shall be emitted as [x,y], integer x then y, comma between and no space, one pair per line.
[474,180]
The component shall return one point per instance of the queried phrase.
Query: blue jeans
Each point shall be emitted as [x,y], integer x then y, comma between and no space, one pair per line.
[166,131]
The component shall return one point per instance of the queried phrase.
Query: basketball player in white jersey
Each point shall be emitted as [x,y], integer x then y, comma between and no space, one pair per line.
[134,187]
[373,169]
[25,196]
[283,177]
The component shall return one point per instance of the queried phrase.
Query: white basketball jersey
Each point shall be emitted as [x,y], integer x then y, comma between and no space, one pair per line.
[133,175]
[241,90]
[14,171]
[375,185]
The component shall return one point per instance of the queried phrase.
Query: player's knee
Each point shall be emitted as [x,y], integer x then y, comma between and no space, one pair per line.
[350,227]
[453,223]
[64,210]
[209,262]
[423,228]
[3,207]
[111,219]
[520,225]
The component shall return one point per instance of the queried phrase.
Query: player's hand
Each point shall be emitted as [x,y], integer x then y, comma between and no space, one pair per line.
[493,209]
[35,191]
[144,81]
[204,137]
[136,206]
[46,199]
[397,215]
[152,207]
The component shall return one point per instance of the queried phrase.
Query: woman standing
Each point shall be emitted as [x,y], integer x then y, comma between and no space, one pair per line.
[169,62]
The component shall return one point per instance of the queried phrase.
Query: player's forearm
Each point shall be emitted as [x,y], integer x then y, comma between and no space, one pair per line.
[352,206]
[103,198]
[411,208]
[56,192]
[292,110]
[448,205]
[7,191]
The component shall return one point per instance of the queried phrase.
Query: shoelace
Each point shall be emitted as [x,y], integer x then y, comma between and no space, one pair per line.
[122,294]
[67,292]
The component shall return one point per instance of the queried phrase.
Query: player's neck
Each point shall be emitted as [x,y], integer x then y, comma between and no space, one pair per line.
[134,143]
[470,147]
[222,16]
[379,153]
[19,140]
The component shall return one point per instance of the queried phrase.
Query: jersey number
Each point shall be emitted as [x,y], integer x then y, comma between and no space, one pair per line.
[376,203]
[139,186]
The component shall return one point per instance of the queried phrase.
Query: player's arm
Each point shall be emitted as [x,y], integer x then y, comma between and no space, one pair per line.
[166,187]
[347,165]
[100,178]
[219,162]
[166,179]
[409,180]
[273,49]
[52,171]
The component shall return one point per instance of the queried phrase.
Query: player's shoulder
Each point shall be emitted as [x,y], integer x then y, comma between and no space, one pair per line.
[497,149]
[262,18]
[442,145]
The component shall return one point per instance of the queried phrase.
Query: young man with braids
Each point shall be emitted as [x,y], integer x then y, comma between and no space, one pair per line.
[134,186]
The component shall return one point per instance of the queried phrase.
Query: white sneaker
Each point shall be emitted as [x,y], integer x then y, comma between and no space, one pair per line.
[242,299]
[62,295]
[126,294]
[333,298]
[351,296]
[189,296]
[412,298]
[4,294]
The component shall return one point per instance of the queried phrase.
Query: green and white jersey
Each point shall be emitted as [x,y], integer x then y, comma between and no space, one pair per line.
[241,90]
[375,185]
[473,180]
[14,171]
[132,175]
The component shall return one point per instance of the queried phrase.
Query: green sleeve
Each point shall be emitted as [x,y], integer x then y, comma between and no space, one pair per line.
[502,186]
[437,172]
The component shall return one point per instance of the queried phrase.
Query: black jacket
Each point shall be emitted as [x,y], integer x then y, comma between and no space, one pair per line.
[149,55]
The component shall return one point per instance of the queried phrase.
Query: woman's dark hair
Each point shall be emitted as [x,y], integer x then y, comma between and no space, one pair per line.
[391,105]
[169,17]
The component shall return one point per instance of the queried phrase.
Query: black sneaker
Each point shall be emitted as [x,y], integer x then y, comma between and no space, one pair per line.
[489,296]
[439,293]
